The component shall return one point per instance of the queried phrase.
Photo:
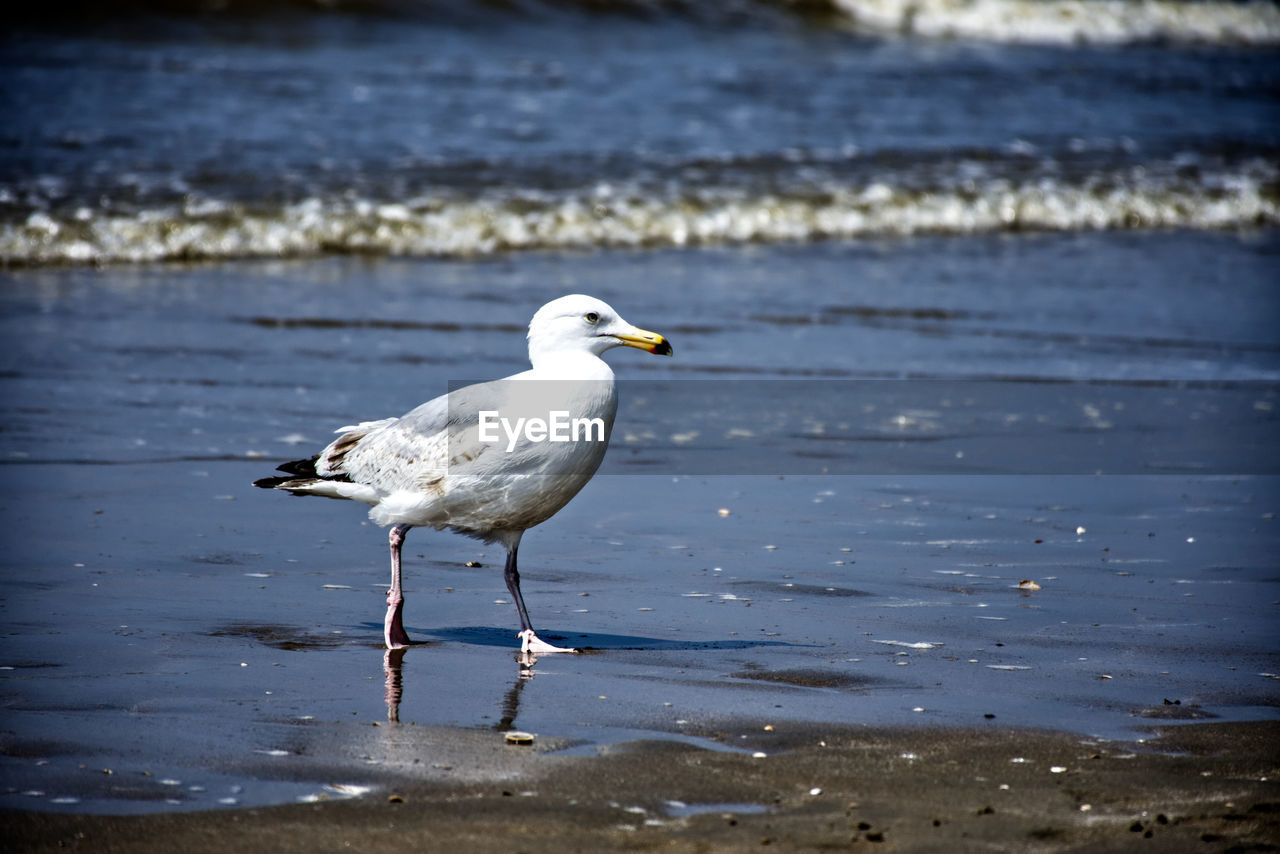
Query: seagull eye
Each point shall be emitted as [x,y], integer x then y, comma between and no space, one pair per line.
[591,317]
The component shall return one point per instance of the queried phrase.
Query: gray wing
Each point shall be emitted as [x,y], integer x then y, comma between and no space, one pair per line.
[415,451]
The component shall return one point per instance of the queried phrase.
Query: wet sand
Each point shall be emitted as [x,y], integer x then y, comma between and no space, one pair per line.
[1202,788]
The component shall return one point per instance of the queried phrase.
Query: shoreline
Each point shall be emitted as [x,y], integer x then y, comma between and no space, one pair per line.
[1193,787]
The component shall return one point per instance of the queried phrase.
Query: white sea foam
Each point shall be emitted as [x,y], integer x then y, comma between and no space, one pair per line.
[1141,196]
[1071,21]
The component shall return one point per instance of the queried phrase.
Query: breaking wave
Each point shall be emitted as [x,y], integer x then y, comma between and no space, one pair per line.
[1067,22]
[770,203]
[1061,22]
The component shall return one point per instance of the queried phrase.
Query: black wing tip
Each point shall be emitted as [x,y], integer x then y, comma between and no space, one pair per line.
[297,481]
[300,468]
[295,470]
[271,482]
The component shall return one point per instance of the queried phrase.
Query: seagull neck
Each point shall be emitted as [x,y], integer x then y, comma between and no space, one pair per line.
[569,365]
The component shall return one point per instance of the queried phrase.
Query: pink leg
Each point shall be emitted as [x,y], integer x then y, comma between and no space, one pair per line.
[529,642]
[393,631]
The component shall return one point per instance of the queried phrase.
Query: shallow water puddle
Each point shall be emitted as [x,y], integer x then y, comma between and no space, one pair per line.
[679,809]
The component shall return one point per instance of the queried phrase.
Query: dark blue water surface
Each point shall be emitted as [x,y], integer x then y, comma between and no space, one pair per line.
[218,122]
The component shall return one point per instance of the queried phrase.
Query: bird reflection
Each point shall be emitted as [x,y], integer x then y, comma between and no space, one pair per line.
[511,702]
[393,682]
[392,660]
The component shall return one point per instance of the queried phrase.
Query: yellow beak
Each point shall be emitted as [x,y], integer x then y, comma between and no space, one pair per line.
[650,342]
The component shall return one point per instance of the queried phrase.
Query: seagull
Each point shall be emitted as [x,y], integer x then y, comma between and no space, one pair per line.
[489,460]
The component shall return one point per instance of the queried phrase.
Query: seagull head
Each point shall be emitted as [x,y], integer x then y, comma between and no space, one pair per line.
[579,323]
